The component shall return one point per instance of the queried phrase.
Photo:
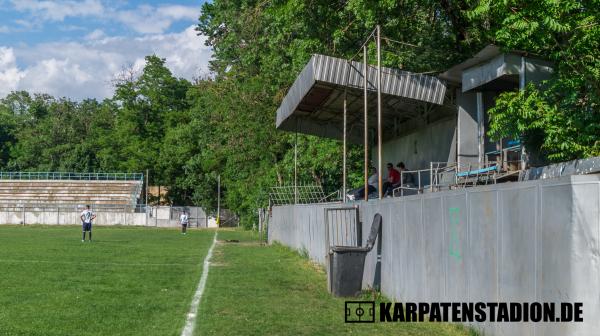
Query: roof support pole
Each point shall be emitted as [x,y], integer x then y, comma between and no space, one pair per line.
[296,165]
[379,163]
[344,189]
[522,83]
[366,149]
[480,130]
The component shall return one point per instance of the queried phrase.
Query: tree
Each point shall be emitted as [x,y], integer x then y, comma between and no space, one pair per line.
[149,105]
[260,47]
[560,120]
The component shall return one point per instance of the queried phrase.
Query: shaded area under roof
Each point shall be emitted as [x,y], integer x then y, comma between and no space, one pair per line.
[314,103]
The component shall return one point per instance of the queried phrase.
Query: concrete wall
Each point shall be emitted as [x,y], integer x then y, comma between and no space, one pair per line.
[70,217]
[433,143]
[535,241]
[53,217]
[168,216]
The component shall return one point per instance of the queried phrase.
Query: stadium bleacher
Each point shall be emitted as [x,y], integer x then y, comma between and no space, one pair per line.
[109,191]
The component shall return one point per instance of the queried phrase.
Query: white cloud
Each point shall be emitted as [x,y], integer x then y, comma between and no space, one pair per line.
[81,70]
[155,20]
[10,75]
[59,10]
[95,35]
[144,19]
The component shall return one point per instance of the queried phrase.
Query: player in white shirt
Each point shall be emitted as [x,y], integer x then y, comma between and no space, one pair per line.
[184,220]
[87,216]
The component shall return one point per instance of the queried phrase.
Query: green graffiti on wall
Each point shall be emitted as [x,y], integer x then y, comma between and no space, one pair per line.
[454,243]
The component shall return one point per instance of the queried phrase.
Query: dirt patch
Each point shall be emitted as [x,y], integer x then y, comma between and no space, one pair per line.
[312,265]
[242,243]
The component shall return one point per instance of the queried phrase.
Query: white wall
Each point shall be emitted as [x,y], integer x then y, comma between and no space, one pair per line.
[70,217]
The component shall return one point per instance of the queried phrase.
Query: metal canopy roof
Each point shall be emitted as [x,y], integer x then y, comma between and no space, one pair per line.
[314,103]
[491,69]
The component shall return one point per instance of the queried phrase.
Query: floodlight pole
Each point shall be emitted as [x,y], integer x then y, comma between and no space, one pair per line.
[219,200]
[147,171]
[379,163]
[366,122]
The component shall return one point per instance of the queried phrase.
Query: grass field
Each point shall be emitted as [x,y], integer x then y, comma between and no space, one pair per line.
[255,290]
[129,281]
[140,281]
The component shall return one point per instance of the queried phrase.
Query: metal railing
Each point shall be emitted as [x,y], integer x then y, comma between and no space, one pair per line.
[305,194]
[71,176]
[415,186]
[13,206]
[441,175]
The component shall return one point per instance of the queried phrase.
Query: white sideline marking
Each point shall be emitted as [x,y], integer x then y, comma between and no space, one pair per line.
[190,322]
[33,261]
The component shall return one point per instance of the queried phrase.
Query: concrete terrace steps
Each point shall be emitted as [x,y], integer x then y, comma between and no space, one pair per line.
[70,198]
[69,183]
[48,192]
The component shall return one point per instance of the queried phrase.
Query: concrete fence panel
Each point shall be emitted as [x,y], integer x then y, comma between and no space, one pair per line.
[536,241]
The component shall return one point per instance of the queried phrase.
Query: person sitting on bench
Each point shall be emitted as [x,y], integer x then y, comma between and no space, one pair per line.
[358,194]
[393,179]
[407,179]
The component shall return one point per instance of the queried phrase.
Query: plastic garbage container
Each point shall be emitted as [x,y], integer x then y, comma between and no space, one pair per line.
[347,264]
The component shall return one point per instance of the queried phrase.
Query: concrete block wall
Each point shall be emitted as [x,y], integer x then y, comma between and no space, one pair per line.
[536,241]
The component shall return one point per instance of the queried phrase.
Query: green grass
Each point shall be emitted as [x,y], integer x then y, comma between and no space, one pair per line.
[129,281]
[257,290]
[140,281]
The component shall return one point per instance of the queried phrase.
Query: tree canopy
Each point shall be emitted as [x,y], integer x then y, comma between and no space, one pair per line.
[188,134]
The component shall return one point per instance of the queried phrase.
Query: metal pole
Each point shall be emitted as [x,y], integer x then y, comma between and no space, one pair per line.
[296,166]
[261,215]
[379,163]
[480,130]
[366,122]
[147,172]
[431,176]
[146,207]
[219,200]
[522,83]
[345,148]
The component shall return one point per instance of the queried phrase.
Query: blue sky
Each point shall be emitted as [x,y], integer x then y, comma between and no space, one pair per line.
[76,49]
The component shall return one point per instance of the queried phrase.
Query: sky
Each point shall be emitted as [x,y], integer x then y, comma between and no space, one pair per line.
[77,48]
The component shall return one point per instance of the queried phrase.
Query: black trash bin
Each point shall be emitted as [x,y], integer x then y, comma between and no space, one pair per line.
[347,264]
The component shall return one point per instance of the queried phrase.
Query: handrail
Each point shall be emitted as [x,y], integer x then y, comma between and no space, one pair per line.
[74,206]
[71,176]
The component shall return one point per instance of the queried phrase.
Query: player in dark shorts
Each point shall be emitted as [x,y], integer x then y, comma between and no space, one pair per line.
[87,216]
[184,220]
